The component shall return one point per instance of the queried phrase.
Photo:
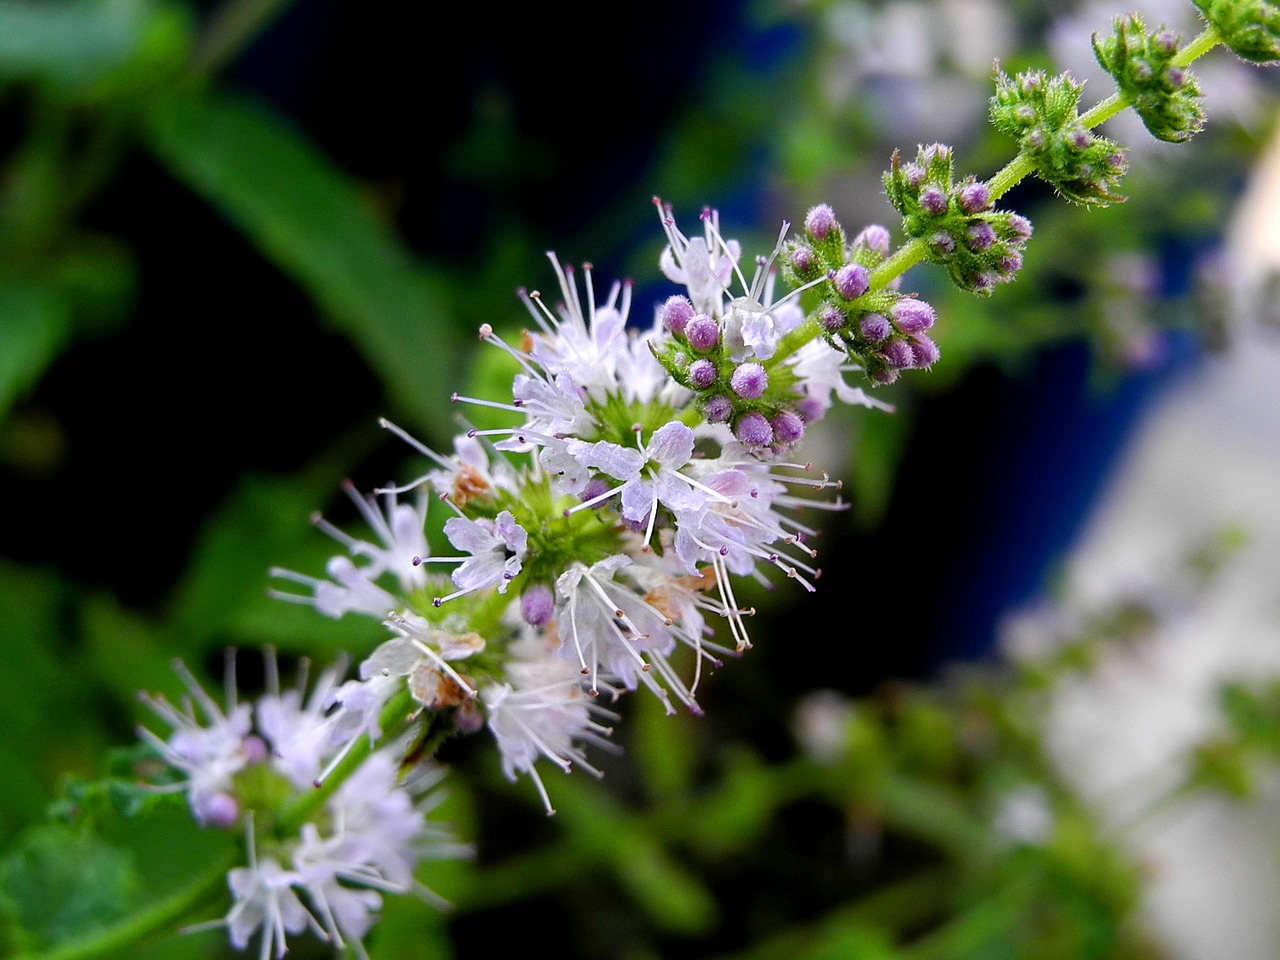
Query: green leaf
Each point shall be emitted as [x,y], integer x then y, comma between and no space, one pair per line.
[35,692]
[33,326]
[672,896]
[310,219]
[59,884]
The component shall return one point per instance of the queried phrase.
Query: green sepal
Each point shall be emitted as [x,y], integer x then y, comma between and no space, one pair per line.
[1167,97]
[1041,112]
[1249,28]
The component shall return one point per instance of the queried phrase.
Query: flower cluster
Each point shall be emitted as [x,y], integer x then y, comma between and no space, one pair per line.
[595,540]
[979,246]
[312,866]
[1040,111]
[1165,95]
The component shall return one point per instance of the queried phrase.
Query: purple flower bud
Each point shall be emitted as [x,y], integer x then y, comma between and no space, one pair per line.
[596,487]
[676,313]
[982,283]
[874,328]
[702,332]
[1141,71]
[943,242]
[831,318]
[802,260]
[874,237]
[788,427]
[914,174]
[935,151]
[717,409]
[1175,77]
[749,380]
[933,199]
[754,430]
[1010,264]
[1079,138]
[1166,42]
[981,235]
[974,197]
[537,604]
[1037,138]
[1026,114]
[851,281]
[254,749]
[1020,225]
[702,374]
[810,410]
[898,353]
[912,316]
[884,375]
[924,351]
[221,810]
[820,221]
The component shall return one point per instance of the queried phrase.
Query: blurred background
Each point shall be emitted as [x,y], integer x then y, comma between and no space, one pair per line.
[1032,710]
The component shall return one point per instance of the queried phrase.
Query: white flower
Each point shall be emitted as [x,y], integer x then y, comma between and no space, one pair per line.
[608,627]
[820,371]
[752,322]
[703,265]
[375,838]
[354,589]
[542,712]
[264,899]
[299,729]
[210,747]
[497,549]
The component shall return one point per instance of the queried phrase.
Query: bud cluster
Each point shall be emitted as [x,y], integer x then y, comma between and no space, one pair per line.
[1166,96]
[979,246]
[882,329]
[1250,28]
[1041,112]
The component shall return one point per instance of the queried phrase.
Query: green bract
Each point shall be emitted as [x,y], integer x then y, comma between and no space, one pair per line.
[1041,112]
[1250,28]
[1166,96]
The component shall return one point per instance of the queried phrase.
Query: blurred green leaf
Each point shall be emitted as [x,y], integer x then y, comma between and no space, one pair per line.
[310,219]
[60,883]
[34,690]
[34,321]
[224,599]
[671,895]
[71,44]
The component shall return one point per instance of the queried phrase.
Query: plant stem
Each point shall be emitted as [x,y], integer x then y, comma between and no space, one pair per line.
[232,28]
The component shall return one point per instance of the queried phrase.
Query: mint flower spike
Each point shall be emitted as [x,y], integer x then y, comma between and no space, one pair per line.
[1165,95]
[1041,112]
[1249,28]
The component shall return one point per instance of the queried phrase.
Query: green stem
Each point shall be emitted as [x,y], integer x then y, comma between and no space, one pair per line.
[232,28]
[164,915]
